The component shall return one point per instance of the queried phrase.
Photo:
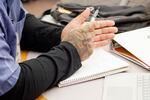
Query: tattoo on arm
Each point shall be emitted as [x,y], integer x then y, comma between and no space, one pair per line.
[82,41]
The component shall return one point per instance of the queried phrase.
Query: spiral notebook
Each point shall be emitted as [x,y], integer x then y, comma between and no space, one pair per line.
[101,63]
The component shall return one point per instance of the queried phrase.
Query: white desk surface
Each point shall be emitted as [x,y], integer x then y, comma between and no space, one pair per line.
[91,90]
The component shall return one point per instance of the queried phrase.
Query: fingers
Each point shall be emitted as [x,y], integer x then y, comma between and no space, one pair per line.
[98,34]
[103,37]
[106,30]
[103,23]
[101,43]
[83,16]
[100,27]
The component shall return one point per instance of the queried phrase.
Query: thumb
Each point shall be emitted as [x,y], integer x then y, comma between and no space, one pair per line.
[83,16]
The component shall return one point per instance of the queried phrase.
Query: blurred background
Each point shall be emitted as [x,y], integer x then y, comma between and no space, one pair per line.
[37,7]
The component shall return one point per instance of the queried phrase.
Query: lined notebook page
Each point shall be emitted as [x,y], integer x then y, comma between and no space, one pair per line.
[100,62]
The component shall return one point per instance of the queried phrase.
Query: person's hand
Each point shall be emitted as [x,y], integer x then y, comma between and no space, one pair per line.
[85,36]
[90,35]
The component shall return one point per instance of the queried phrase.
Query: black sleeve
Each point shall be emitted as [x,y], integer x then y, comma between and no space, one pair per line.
[39,36]
[44,72]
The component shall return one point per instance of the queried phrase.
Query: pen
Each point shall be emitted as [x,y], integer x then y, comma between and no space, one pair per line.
[94,15]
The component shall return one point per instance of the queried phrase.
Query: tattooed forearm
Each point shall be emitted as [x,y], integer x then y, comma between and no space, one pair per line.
[82,40]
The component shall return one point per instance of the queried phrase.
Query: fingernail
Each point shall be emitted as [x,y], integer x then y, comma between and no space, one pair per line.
[90,8]
[116,29]
[113,22]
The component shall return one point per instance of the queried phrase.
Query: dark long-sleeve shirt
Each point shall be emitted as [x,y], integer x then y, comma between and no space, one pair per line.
[60,60]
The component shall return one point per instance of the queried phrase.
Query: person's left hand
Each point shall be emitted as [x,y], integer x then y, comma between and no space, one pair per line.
[90,35]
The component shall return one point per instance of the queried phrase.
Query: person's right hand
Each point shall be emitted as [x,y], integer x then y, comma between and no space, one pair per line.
[88,35]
